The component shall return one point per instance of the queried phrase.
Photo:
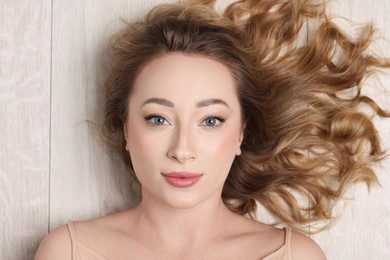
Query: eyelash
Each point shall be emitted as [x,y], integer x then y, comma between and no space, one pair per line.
[220,119]
[150,117]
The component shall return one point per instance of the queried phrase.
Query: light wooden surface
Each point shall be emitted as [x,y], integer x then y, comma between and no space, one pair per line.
[25,126]
[53,168]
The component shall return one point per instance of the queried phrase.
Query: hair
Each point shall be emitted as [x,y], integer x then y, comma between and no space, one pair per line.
[306,136]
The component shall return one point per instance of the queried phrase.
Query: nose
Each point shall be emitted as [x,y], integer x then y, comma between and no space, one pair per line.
[182,148]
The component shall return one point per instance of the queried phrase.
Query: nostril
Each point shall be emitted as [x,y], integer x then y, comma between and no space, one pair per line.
[182,148]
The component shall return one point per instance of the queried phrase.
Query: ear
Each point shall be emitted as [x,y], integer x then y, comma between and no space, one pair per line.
[125,133]
[240,139]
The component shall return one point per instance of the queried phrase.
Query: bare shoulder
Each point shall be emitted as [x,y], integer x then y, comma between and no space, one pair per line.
[115,222]
[56,245]
[303,247]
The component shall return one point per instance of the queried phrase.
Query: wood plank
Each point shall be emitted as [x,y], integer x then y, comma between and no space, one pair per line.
[362,231]
[85,181]
[25,123]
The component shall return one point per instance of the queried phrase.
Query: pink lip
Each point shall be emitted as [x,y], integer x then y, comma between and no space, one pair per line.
[182,179]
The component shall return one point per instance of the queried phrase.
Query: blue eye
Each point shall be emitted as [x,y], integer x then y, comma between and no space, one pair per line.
[213,121]
[156,120]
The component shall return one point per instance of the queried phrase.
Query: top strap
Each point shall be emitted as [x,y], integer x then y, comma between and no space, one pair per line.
[287,242]
[73,238]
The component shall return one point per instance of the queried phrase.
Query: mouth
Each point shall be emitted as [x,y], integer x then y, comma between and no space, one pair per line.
[182,179]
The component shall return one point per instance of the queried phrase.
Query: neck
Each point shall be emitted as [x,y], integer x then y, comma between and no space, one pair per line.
[182,228]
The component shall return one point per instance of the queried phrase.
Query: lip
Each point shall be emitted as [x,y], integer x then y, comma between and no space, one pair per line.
[182,179]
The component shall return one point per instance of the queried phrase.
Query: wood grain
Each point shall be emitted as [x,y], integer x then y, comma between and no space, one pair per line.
[25,124]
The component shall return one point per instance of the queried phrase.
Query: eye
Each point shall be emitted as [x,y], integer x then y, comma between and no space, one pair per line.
[156,120]
[213,121]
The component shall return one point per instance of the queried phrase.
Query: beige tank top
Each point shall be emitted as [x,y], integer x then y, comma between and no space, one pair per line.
[82,252]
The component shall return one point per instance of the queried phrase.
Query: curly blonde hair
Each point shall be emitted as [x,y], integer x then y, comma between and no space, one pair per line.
[304,137]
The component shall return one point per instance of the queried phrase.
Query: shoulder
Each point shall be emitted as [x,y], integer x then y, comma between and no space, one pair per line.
[90,230]
[56,245]
[303,247]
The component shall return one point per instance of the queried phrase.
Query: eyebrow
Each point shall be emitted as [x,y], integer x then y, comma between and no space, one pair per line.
[212,101]
[160,101]
[202,103]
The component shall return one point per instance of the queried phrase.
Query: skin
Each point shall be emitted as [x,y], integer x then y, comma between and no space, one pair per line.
[184,115]
[184,135]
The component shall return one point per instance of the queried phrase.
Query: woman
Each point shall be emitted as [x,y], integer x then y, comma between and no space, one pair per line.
[215,112]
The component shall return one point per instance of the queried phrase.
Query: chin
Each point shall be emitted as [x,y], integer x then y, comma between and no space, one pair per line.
[183,202]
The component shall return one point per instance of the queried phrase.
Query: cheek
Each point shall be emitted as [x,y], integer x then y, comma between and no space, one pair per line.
[143,148]
[224,146]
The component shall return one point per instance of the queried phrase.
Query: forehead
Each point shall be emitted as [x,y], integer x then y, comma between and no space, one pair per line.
[187,76]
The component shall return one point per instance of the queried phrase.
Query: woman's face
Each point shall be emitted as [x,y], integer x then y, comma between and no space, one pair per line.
[183,129]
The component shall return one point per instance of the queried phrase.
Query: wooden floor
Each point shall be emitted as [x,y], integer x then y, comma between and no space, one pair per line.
[52,166]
